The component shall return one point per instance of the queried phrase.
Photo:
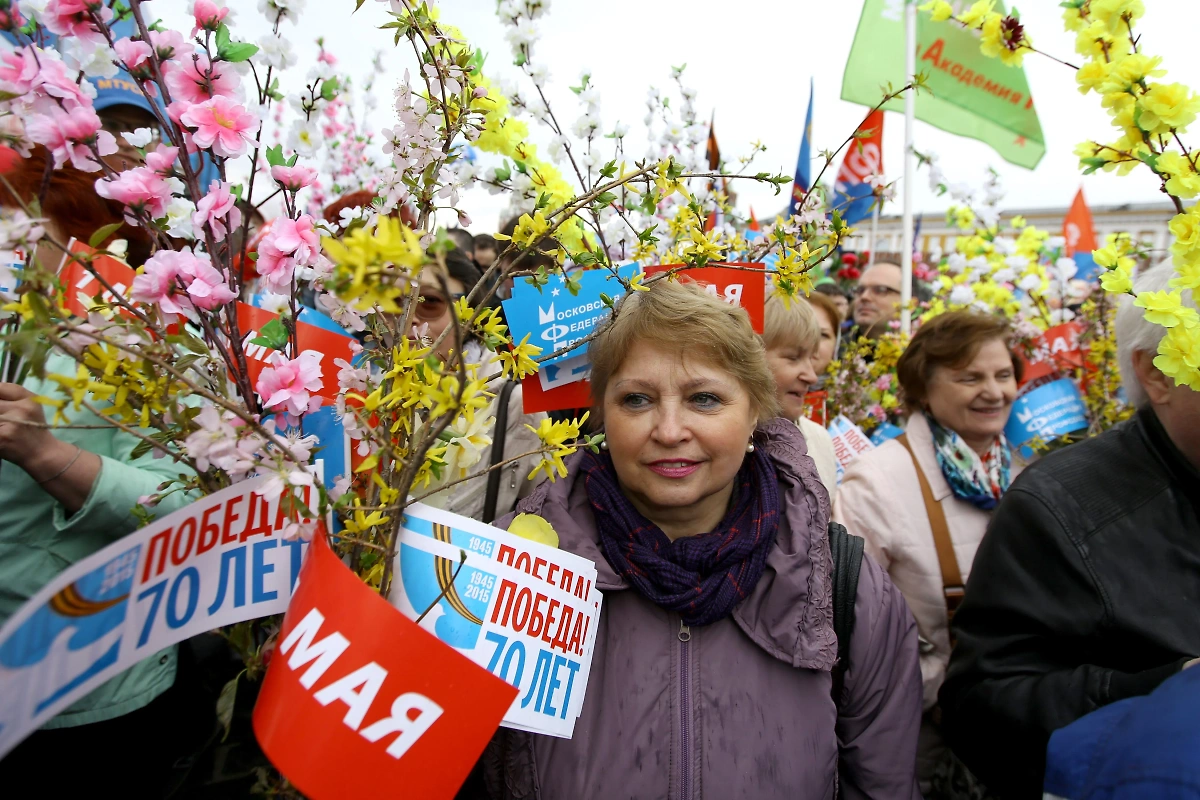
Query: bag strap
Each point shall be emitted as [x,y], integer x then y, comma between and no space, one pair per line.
[953,588]
[497,453]
[847,554]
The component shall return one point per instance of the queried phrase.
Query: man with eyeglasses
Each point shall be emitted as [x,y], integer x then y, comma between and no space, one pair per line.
[876,300]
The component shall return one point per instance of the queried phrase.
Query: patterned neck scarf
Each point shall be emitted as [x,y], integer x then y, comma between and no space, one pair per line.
[700,577]
[981,481]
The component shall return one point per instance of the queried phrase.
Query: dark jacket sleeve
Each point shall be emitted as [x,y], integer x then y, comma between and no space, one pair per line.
[1019,671]
[879,712]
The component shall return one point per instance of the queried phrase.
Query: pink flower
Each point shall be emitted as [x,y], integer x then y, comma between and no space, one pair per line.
[209,288]
[293,178]
[884,383]
[132,53]
[74,18]
[68,136]
[139,189]
[218,209]
[161,284]
[166,45]
[287,385]
[18,70]
[222,125]
[208,15]
[162,159]
[275,267]
[56,81]
[194,79]
[179,282]
[296,236]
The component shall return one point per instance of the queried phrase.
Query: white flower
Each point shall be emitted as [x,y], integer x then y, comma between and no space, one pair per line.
[1016,263]
[1030,283]
[465,449]
[179,218]
[956,263]
[539,73]
[962,295]
[1004,275]
[275,303]
[281,9]
[139,138]
[959,192]
[1055,243]
[1004,246]
[305,138]
[590,97]
[1060,315]
[620,130]
[1066,268]
[92,59]
[276,52]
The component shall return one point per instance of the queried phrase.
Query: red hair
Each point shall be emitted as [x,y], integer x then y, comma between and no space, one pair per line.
[71,202]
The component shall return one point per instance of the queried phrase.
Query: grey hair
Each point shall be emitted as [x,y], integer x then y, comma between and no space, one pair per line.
[1135,334]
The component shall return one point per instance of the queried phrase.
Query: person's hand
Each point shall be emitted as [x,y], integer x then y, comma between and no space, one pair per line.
[24,438]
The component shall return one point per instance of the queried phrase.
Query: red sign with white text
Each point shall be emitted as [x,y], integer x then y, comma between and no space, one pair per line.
[743,287]
[309,337]
[1057,350]
[78,281]
[359,697]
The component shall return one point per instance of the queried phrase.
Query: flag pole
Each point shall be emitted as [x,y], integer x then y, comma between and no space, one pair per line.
[874,236]
[910,167]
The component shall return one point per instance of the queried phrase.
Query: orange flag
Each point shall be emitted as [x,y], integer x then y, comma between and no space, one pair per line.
[754,226]
[1077,227]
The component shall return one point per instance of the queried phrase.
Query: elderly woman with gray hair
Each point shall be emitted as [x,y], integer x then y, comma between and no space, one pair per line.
[1083,592]
[713,674]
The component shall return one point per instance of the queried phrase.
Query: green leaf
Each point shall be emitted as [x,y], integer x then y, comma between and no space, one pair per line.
[291,162]
[222,36]
[358,4]
[503,173]
[272,335]
[1149,159]
[188,342]
[329,88]
[144,447]
[605,199]
[275,156]
[609,170]
[225,704]
[103,233]
[521,168]
[1092,164]
[520,60]
[236,53]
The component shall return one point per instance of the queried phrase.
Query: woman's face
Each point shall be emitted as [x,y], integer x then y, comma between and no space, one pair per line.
[677,430]
[794,374]
[974,401]
[827,345]
[436,311]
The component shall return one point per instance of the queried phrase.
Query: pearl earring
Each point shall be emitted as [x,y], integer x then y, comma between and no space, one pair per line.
[604,444]
[750,447]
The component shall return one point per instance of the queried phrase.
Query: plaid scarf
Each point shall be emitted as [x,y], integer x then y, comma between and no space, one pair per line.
[700,577]
[981,481]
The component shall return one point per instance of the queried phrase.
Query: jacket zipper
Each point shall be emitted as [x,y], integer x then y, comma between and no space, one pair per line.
[685,713]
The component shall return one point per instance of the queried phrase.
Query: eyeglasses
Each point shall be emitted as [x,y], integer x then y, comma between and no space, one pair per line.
[876,291]
[434,305]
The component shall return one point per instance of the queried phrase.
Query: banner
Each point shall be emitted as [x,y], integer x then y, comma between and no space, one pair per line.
[1077,227]
[815,407]
[573,395]
[969,94]
[214,563]
[853,195]
[554,319]
[80,285]
[524,611]
[849,442]
[738,287]
[1055,351]
[330,345]
[1047,412]
[358,701]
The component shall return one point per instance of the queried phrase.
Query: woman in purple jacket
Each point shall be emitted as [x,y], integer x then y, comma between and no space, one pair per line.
[707,521]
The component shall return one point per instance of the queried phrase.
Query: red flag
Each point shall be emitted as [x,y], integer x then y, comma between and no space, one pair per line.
[1077,227]
[754,226]
[713,151]
[359,697]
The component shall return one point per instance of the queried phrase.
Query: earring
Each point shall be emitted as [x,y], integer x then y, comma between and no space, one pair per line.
[750,447]
[604,444]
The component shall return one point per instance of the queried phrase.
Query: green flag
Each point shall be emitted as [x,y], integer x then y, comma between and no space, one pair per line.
[969,94]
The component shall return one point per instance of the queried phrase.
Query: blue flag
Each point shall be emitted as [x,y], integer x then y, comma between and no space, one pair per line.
[803,180]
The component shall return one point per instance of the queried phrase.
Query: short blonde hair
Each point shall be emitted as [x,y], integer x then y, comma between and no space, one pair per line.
[684,317]
[790,324]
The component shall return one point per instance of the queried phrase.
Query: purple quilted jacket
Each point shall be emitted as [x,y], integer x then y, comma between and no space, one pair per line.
[741,708]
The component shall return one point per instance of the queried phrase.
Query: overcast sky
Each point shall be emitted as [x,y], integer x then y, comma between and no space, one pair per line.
[751,62]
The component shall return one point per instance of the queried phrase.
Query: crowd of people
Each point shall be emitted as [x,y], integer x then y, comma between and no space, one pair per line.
[995,617]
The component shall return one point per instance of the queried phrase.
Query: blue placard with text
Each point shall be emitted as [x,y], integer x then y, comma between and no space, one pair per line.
[555,319]
[1048,411]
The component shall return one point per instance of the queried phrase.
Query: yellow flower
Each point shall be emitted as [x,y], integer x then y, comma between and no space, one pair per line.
[975,16]
[534,528]
[1112,256]
[939,10]
[1091,76]
[1179,356]
[1186,230]
[1117,281]
[964,218]
[1166,107]
[1181,178]
[1019,222]
[520,360]
[1116,15]
[1166,309]
[1120,75]
[557,440]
